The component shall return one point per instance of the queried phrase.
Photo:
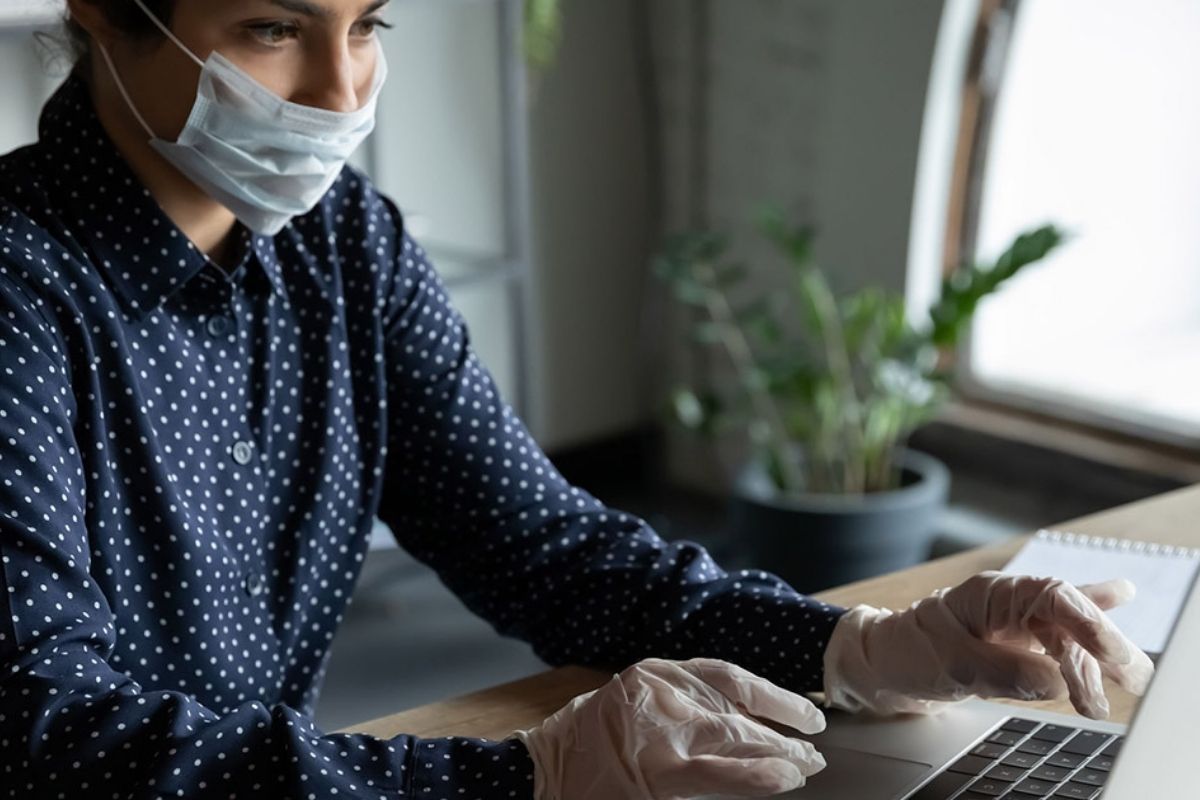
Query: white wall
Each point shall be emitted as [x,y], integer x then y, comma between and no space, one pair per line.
[27,85]
[590,228]
[879,58]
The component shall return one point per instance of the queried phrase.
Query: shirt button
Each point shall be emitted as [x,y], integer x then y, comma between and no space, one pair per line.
[219,325]
[242,452]
[254,584]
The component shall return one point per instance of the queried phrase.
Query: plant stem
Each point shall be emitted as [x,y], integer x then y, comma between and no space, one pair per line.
[838,358]
[742,356]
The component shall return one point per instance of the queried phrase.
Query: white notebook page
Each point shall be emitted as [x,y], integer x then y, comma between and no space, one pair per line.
[1162,575]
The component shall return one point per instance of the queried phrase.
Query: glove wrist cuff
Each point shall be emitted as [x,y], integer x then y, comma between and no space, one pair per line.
[846,659]
[541,761]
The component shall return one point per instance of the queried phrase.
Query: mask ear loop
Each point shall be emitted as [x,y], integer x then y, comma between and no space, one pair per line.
[117,78]
[121,87]
[167,32]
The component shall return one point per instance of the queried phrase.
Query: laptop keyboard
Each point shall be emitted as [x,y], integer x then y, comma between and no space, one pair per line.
[1026,760]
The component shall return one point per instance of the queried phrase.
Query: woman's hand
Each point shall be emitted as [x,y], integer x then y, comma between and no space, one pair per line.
[674,729]
[994,635]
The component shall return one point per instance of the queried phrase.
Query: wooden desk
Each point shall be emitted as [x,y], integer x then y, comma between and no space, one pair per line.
[493,713]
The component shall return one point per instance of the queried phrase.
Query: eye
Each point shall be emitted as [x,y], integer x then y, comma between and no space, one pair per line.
[274,33]
[368,26]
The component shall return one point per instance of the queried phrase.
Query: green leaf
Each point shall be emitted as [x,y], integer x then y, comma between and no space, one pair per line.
[669,268]
[817,302]
[543,32]
[692,293]
[730,275]
[755,379]
[696,411]
[795,241]
[764,328]
[709,332]
[964,288]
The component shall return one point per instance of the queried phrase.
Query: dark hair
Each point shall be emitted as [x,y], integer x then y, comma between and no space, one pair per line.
[124,16]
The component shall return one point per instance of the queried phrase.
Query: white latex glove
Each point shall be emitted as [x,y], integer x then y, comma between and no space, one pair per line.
[994,635]
[663,729]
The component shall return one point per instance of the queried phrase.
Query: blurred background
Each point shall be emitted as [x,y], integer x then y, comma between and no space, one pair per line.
[549,154]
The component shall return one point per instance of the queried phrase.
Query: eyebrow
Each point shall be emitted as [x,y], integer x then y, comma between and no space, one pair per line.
[317,10]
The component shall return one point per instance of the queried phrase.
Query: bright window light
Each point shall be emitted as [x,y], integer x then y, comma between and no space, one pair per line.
[1097,128]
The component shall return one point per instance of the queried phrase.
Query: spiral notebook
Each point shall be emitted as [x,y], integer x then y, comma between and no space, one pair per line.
[1162,574]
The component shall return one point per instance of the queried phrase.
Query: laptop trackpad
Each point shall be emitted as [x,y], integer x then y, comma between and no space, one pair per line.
[854,775]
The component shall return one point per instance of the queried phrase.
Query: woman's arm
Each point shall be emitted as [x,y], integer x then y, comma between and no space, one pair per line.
[471,494]
[72,724]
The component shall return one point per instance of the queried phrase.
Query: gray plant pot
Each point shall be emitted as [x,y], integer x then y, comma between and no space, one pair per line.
[821,540]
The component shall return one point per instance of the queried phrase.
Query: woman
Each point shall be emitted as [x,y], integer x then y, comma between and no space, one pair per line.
[223,355]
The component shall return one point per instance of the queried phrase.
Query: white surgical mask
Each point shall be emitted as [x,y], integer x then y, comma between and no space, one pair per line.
[264,158]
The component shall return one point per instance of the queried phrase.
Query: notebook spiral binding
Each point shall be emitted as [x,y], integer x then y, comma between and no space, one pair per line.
[1123,545]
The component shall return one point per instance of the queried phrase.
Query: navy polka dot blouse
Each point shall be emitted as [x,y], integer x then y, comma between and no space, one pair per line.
[191,459]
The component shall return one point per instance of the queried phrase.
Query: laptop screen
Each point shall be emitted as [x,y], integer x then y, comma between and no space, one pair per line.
[1157,758]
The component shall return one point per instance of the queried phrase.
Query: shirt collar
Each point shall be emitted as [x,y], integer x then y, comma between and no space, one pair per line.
[145,255]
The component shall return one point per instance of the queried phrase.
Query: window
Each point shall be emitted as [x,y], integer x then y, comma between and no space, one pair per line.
[29,12]
[1095,126]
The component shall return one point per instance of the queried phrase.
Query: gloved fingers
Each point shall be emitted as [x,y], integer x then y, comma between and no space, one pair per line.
[1051,601]
[1081,672]
[993,605]
[1109,594]
[1133,677]
[738,777]
[1024,639]
[1079,613]
[745,738]
[1014,672]
[1131,672]
[757,695]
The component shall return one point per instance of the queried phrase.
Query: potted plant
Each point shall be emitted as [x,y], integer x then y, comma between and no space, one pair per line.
[827,390]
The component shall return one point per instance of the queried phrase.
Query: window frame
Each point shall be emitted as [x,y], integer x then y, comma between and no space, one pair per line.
[978,97]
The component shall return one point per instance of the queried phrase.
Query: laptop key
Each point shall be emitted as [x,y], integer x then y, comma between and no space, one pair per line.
[971,765]
[1019,725]
[1068,760]
[1023,760]
[1077,791]
[1032,787]
[1114,747]
[989,750]
[989,786]
[1085,743]
[1092,777]
[941,787]
[1101,762]
[1048,773]
[1002,772]
[1006,737]
[1035,746]
[1053,733]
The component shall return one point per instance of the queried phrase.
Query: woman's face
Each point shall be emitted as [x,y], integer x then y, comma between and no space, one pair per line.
[313,52]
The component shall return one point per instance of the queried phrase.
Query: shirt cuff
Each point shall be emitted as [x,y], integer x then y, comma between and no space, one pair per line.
[454,766]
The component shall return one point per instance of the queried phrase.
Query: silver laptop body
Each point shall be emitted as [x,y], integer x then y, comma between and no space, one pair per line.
[901,758]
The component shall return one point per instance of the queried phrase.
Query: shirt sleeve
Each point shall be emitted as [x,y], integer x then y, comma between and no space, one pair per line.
[471,494]
[73,725]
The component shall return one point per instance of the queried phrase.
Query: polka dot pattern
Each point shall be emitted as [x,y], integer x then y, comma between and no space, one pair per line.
[191,459]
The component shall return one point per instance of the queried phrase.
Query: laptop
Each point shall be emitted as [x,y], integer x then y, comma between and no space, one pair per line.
[983,750]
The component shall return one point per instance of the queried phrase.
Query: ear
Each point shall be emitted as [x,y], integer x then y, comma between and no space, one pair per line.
[91,18]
